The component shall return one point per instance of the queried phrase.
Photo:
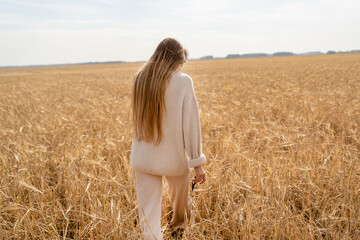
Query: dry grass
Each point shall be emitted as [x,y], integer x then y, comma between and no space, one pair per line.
[281,135]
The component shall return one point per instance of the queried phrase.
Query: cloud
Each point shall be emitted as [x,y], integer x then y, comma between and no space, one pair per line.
[57,6]
[106,2]
[9,19]
[83,21]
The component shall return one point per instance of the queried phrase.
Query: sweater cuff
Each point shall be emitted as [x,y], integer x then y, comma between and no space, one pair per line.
[194,162]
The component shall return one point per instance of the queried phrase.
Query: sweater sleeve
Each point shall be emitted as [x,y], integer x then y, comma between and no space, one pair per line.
[191,127]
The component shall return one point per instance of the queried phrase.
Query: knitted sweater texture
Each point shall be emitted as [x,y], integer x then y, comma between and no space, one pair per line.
[180,148]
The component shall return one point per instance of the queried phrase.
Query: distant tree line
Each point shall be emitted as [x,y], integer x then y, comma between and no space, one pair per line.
[207,57]
[252,55]
[277,54]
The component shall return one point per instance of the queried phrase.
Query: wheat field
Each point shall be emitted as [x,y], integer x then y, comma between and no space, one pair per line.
[281,136]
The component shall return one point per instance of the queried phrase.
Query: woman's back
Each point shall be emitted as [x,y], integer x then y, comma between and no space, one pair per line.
[180,133]
[166,138]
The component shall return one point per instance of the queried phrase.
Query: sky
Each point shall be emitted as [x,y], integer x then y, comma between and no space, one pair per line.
[71,31]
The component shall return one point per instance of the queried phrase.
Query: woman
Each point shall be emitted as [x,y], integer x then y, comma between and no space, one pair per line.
[167,140]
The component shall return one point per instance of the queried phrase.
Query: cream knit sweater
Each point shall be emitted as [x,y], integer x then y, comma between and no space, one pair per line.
[180,148]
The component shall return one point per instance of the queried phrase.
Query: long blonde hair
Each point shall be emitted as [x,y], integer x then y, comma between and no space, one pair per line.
[149,86]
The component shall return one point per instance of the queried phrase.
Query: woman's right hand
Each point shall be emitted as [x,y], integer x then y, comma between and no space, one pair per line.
[200,175]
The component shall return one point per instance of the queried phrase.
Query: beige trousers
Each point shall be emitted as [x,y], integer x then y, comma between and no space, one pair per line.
[148,189]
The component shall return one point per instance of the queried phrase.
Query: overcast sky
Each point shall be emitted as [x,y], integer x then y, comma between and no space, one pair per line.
[70,31]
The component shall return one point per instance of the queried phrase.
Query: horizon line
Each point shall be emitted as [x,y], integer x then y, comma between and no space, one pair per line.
[206,57]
